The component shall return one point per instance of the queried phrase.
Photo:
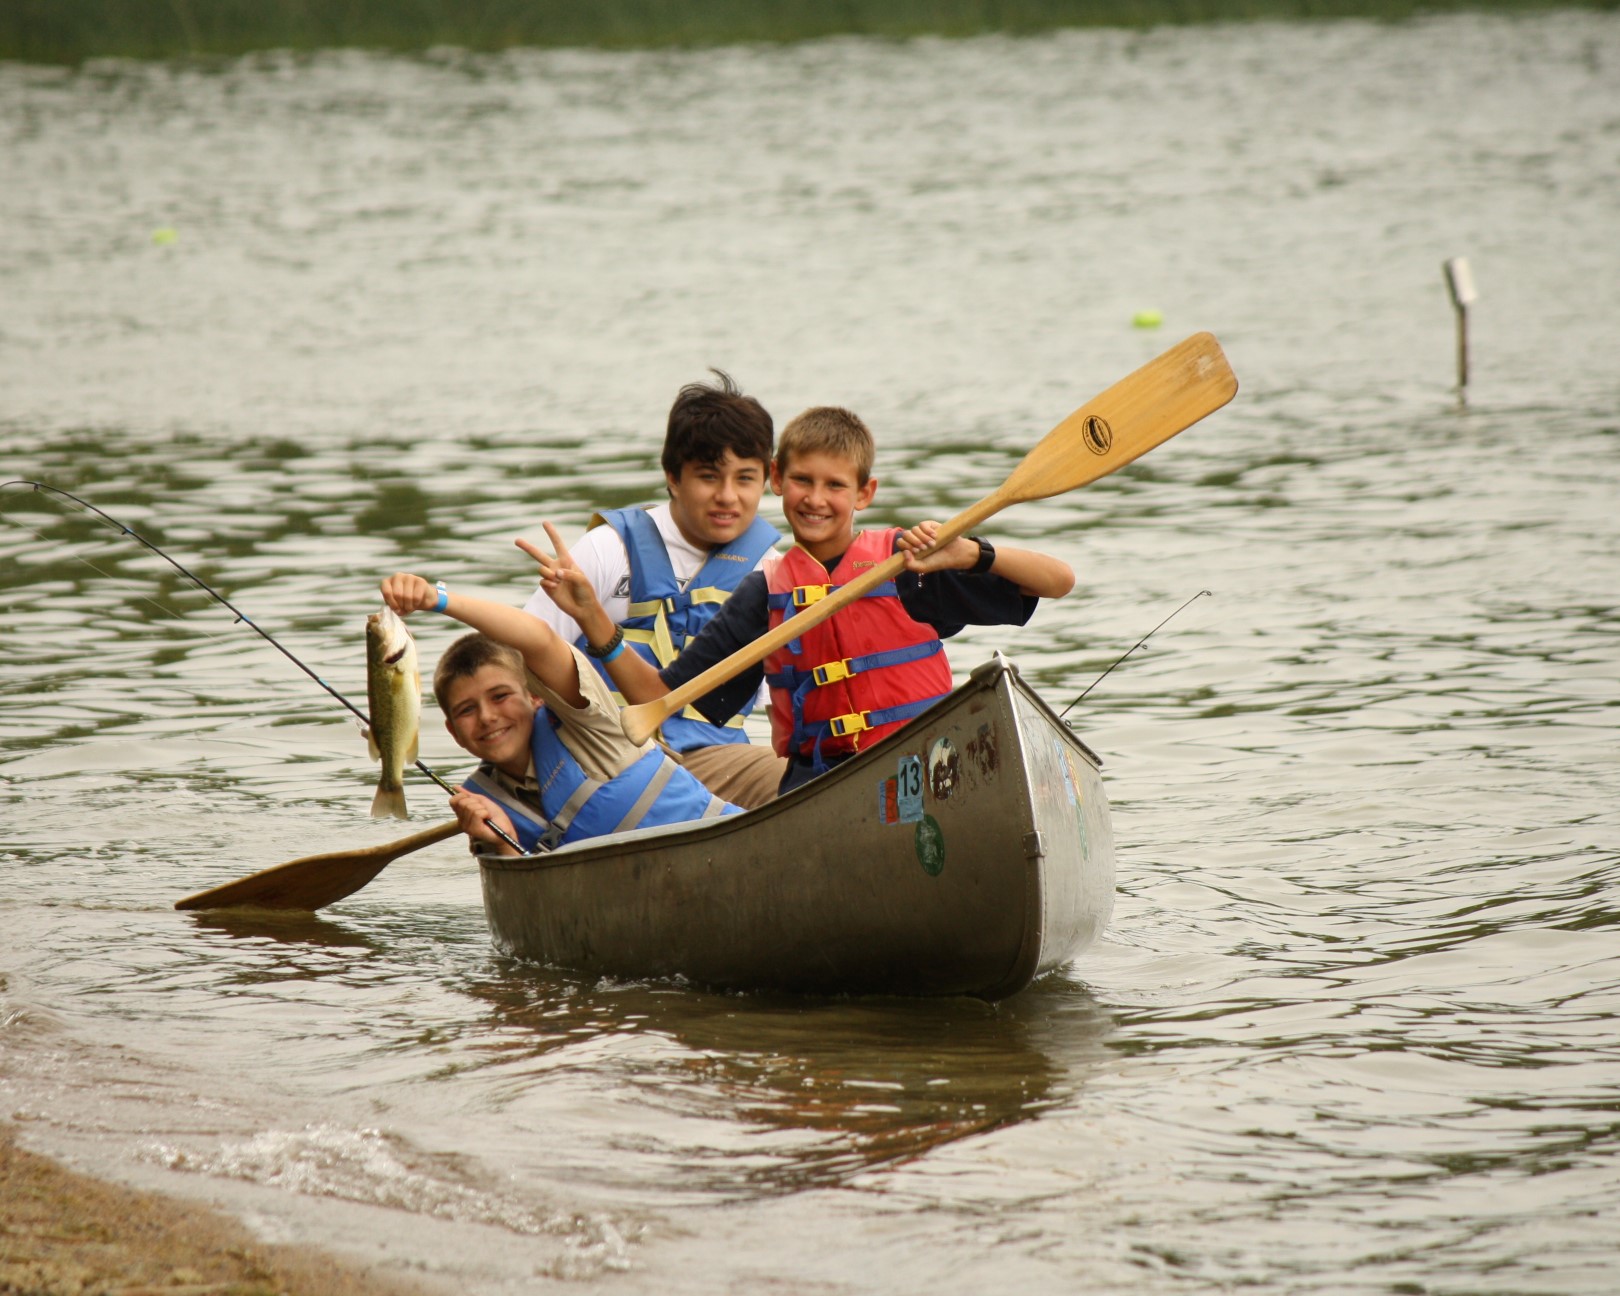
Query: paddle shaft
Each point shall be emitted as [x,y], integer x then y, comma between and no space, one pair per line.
[1163,397]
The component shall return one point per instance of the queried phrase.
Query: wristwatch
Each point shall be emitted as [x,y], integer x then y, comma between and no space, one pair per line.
[987,556]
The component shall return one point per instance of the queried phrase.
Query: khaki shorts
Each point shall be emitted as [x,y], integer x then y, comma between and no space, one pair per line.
[745,774]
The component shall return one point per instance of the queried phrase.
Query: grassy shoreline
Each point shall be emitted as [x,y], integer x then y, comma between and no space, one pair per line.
[73,31]
[65,1233]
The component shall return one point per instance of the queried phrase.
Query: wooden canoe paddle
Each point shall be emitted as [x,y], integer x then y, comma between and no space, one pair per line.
[1163,397]
[316,880]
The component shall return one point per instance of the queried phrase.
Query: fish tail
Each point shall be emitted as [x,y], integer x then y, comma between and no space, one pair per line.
[389,803]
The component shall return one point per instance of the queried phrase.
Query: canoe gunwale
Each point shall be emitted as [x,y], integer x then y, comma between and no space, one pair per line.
[983,678]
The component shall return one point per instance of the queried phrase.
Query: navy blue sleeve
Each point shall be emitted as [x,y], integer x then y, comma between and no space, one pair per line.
[742,618]
[949,600]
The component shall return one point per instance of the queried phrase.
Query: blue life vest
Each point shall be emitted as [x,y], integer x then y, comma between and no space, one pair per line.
[663,617]
[652,791]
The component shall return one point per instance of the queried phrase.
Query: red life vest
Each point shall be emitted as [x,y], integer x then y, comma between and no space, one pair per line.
[859,675]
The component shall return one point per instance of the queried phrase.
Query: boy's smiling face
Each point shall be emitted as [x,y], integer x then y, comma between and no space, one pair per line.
[821,494]
[491,714]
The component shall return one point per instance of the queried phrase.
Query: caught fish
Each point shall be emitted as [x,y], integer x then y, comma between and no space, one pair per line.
[394,688]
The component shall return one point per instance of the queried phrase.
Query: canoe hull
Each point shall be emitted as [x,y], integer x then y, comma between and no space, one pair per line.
[967,854]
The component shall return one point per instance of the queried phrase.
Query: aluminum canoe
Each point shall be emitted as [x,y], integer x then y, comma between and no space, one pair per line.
[966,854]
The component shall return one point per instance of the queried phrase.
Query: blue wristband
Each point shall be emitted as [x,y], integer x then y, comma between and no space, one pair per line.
[617,649]
[444,598]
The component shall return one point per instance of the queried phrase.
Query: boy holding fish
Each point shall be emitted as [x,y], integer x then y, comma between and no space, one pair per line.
[555,764]
[859,675]
[662,573]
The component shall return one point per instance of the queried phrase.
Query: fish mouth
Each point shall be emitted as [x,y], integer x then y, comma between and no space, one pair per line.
[387,636]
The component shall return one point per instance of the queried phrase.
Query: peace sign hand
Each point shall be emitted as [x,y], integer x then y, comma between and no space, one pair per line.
[561,578]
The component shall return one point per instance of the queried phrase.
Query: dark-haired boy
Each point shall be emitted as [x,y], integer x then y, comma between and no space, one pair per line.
[661,574]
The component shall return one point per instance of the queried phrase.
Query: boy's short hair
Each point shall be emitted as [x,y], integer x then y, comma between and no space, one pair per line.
[467,656]
[707,420]
[829,430]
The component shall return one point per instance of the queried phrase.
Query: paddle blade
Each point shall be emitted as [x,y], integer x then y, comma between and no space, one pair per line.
[1144,409]
[316,880]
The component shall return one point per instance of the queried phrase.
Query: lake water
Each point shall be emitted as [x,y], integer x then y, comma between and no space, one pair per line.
[304,322]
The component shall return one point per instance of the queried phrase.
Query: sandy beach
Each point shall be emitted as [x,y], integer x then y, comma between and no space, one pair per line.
[63,1234]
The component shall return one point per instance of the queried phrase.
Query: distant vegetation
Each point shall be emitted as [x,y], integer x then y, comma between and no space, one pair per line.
[70,31]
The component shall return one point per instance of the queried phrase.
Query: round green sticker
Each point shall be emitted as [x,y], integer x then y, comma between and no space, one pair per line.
[930,845]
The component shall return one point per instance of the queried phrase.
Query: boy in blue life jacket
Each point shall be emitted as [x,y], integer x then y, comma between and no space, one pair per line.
[862,673]
[662,573]
[555,764]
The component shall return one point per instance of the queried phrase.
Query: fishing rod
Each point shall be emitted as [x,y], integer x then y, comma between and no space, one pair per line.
[241,616]
[1127,653]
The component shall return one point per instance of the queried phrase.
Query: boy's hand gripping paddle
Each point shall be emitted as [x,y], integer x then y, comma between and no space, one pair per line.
[1163,397]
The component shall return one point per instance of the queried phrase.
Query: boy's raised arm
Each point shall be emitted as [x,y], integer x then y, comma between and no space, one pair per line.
[543,649]
[571,590]
[1036,574]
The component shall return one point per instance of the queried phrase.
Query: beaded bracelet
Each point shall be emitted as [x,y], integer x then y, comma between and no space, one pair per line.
[611,649]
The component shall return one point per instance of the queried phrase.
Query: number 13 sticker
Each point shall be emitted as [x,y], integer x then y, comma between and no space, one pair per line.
[910,788]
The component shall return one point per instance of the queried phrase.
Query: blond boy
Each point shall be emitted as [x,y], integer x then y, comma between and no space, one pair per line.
[555,766]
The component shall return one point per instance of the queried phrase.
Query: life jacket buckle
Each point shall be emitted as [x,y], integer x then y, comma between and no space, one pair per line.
[805,595]
[832,672]
[845,726]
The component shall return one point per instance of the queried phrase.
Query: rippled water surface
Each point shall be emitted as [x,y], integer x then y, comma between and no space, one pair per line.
[307,321]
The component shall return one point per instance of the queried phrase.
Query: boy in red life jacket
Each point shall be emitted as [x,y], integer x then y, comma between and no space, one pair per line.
[556,766]
[866,670]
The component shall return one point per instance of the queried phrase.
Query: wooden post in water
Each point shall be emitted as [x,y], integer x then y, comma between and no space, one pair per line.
[1460,282]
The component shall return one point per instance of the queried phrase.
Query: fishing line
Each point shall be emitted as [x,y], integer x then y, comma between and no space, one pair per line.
[235,611]
[1127,653]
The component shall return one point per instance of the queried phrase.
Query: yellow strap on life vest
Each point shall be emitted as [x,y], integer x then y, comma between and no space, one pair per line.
[805,595]
[686,712]
[692,713]
[663,647]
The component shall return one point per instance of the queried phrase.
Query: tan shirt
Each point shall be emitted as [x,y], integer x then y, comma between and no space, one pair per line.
[592,733]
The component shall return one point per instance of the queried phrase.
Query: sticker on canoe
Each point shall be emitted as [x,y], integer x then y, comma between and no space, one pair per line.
[1074,781]
[909,778]
[983,752]
[930,846]
[900,797]
[1069,783]
[944,769]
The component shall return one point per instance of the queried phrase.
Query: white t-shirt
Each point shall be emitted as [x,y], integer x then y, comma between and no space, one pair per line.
[601,556]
